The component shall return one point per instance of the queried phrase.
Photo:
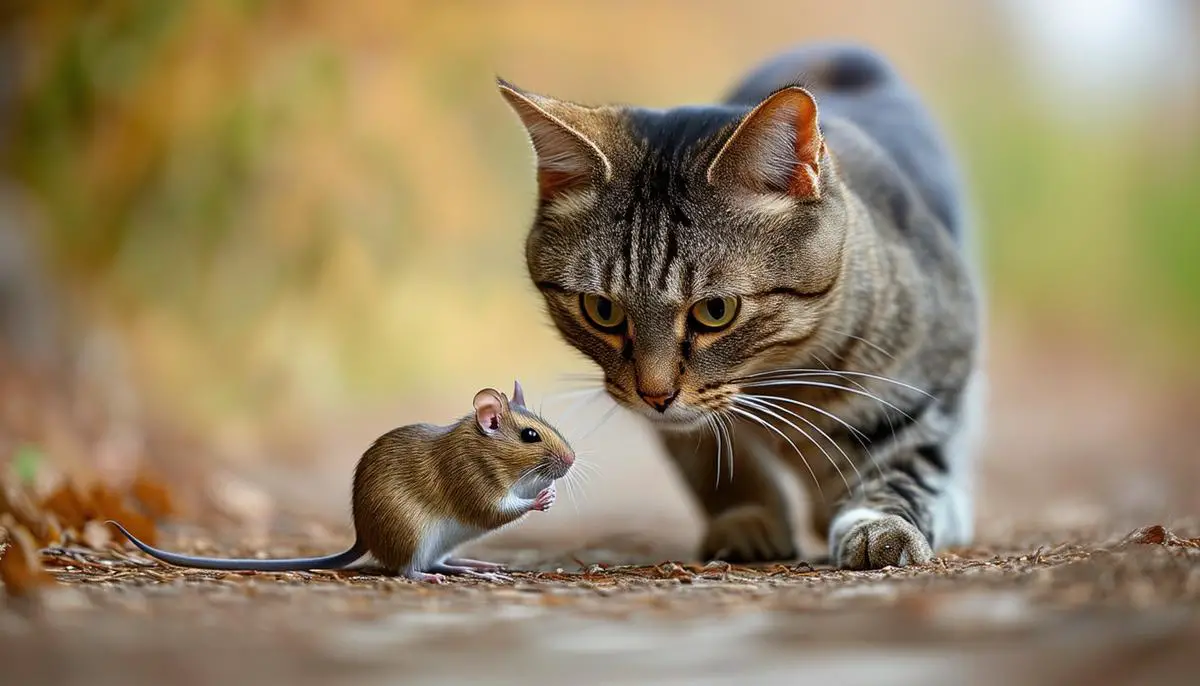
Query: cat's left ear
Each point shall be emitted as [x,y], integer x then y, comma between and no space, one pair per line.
[567,159]
[777,148]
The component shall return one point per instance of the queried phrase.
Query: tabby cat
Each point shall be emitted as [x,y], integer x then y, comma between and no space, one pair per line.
[783,278]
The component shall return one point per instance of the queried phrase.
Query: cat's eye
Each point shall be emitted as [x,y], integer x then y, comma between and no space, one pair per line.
[530,436]
[713,314]
[602,313]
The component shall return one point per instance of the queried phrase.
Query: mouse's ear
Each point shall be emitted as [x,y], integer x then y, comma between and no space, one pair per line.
[518,396]
[489,407]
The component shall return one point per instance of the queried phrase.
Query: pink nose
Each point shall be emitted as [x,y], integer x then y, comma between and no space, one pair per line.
[567,458]
[659,402]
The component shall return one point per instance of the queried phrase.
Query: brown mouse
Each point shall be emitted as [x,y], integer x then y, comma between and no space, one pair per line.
[420,491]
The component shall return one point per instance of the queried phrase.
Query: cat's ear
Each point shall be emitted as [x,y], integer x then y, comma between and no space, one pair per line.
[777,148]
[566,158]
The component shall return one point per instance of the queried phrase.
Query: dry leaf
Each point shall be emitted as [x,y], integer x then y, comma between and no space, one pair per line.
[16,501]
[21,562]
[136,523]
[53,531]
[1157,534]
[153,497]
[69,505]
[97,535]
[77,510]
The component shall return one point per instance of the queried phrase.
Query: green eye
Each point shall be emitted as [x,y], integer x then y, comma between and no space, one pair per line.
[603,313]
[713,314]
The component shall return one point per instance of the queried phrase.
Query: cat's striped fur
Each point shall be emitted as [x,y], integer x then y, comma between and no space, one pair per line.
[853,352]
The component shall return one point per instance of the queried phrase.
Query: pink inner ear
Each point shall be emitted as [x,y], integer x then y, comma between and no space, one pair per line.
[488,408]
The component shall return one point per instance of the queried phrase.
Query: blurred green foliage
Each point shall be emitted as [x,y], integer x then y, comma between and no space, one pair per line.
[25,463]
[306,202]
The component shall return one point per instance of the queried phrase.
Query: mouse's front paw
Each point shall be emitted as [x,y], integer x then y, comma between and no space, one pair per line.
[888,541]
[544,499]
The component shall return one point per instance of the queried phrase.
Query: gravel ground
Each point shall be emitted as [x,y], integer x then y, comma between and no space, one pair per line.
[1056,591]
[1123,613]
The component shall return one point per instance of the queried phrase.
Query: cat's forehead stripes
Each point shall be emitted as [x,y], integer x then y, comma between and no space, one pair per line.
[661,190]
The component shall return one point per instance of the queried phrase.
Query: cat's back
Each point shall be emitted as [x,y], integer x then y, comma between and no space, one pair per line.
[856,86]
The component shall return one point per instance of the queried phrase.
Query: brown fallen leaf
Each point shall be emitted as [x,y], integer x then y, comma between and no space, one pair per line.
[69,505]
[16,502]
[110,505]
[1157,534]
[153,496]
[20,562]
[97,535]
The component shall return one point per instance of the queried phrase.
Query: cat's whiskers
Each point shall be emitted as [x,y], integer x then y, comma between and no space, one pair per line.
[767,403]
[582,399]
[862,340]
[726,424]
[718,423]
[886,417]
[603,420]
[768,409]
[806,372]
[743,412]
[863,392]
[819,384]
[711,422]
[858,435]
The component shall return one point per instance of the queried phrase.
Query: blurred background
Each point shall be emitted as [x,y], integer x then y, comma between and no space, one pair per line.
[239,239]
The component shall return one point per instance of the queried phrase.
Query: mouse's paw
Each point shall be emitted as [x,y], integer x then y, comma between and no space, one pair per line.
[882,541]
[493,577]
[748,534]
[425,577]
[545,499]
[448,568]
[479,565]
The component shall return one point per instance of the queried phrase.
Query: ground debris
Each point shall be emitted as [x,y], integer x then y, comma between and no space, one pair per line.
[1156,534]
[20,564]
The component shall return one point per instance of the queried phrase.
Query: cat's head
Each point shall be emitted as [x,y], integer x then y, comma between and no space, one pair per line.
[683,249]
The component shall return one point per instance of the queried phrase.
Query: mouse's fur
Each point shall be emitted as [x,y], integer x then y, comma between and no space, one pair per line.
[422,490]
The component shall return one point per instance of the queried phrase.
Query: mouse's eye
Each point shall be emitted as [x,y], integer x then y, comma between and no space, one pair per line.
[530,436]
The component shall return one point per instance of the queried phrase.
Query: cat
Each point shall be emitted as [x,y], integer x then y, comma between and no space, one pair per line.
[784,278]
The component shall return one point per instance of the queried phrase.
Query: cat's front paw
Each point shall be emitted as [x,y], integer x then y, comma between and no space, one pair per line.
[748,534]
[886,541]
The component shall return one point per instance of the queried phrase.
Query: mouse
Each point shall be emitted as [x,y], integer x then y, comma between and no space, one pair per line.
[421,491]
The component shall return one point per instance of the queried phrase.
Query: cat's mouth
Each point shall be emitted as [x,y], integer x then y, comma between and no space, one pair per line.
[684,415]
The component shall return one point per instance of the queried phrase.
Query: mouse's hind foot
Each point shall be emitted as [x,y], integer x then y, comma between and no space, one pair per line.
[424,577]
[449,569]
[479,565]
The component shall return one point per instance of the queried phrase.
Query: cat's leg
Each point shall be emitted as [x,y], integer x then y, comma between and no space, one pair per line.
[900,512]
[915,499]
[746,512]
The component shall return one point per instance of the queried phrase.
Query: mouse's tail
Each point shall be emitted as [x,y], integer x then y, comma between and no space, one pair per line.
[293,564]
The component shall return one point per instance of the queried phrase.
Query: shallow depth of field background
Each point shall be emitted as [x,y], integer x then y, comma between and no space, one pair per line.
[281,228]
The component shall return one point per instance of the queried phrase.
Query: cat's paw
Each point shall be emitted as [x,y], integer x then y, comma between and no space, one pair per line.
[883,541]
[748,534]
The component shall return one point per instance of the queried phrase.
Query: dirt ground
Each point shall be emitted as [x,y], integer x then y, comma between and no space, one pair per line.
[1054,591]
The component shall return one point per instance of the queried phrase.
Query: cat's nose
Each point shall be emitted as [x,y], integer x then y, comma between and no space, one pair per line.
[659,402]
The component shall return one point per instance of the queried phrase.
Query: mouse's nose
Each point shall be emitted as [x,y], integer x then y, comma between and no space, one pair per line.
[567,458]
[659,402]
